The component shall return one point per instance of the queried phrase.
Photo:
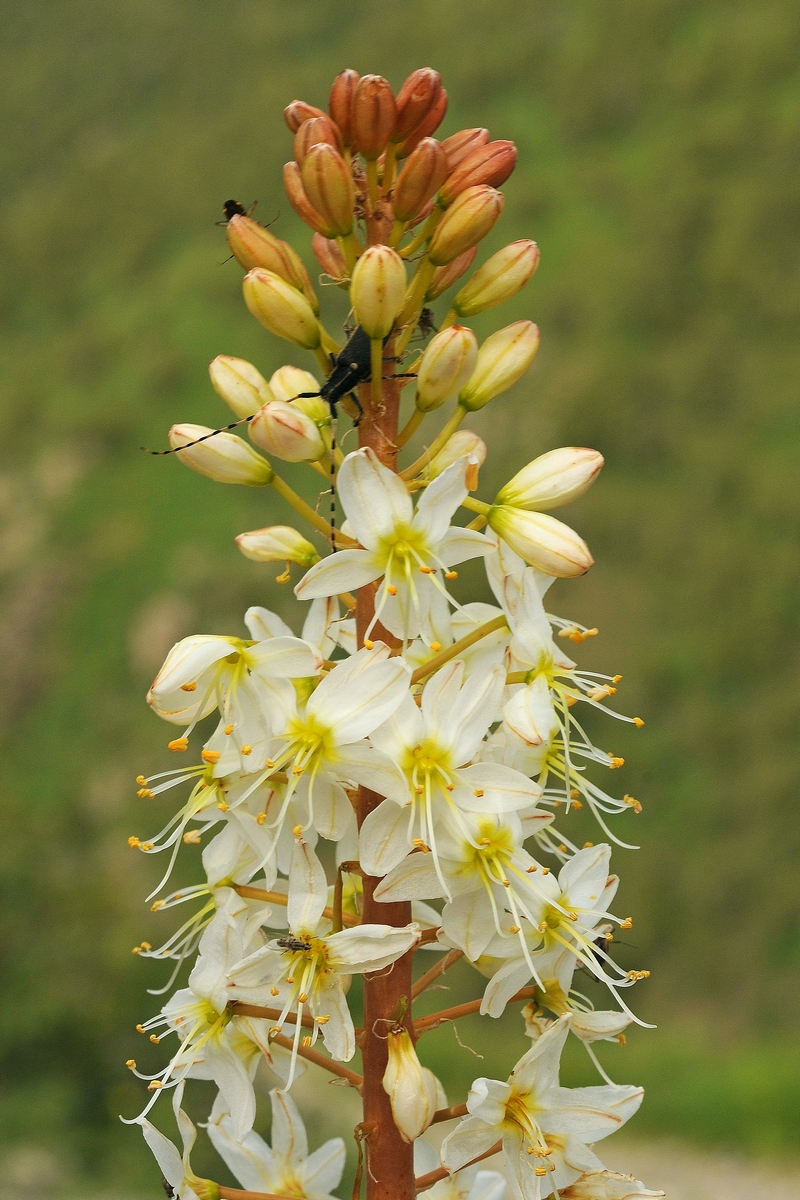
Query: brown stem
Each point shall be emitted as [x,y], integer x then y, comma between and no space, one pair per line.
[433,974]
[240,1009]
[449,1114]
[254,893]
[425,1181]
[227,1193]
[424,1024]
[320,1060]
[464,643]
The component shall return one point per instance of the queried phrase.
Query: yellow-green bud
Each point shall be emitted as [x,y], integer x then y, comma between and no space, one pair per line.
[378,289]
[277,543]
[500,278]
[502,360]
[541,540]
[463,441]
[315,408]
[469,218]
[283,430]
[552,479]
[281,308]
[329,186]
[446,365]
[411,1088]
[288,382]
[223,457]
[243,388]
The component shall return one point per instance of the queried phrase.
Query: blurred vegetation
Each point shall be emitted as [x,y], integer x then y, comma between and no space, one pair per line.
[659,173]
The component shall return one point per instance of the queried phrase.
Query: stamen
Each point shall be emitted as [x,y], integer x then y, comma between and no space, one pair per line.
[178,745]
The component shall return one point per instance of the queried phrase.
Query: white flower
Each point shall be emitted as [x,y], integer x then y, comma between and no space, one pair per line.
[176,1168]
[608,1185]
[544,1127]
[470,1183]
[405,546]
[285,1168]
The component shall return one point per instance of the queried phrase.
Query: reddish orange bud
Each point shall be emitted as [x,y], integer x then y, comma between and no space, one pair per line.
[329,186]
[490,164]
[468,219]
[298,111]
[329,257]
[311,133]
[416,98]
[445,277]
[460,145]
[254,246]
[421,177]
[429,124]
[340,103]
[300,202]
[373,116]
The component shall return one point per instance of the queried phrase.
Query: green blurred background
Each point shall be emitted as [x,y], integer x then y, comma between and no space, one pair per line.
[659,173]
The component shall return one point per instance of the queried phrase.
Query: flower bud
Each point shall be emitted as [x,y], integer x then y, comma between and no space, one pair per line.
[329,257]
[445,277]
[254,246]
[460,145]
[298,111]
[285,431]
[277,543]
[500,278]
[329,186]
[373,116]
[378,289]
[418,95]
[315,408]
[421,177]
[313,132]
[293,184]
[428,125]
[410,1087]
[502,360]
[225,457]
[541,540]
[463,441]
[490,164]
[467,220]
[446,364]
[281,308]
[552,479]
[340,103]
[241,386]
[288,382]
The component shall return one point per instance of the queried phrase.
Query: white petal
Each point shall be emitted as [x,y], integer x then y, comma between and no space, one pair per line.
[460,545]
[345,571]
[308,889]
[262,624]
[359,694]
[338,1034]
[364,764]
[322,1170]
[333,812]
[591,1112]
[524,1183]
[530,713]
[322,614]
[488,1185]
[231,1077]
[439,697]
[165,1154]
[504,790]
[283,658]
[469,1139]
[374,498]
[538,1069]
[402,732]
[471,716]
[414,878]
[583,877]
[383,839]
[288,1131]
[251,1160]
[369,947]
[440,500]
[468,921]
[504,984]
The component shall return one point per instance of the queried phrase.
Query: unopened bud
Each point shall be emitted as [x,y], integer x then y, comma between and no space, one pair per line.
[241,386]
[447,363]
[277,543]
[490,164]
[293,185]
[411,1088]
[428,125]
[460,145]
[254,246]
[285,431]
[315,408]
[541,540]
[552,479]
[463,442]
[415,100]
[313,132]
[502,360]
[281,308]
[466,221]
[421,177]
[340,103]
[329,186]
[445,277]
[298,111]
[330,257]
[374,115]
[223,457]
[378,289]
[500,278]
[288,382]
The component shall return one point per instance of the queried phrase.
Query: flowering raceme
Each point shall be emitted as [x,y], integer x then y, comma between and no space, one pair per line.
[399,786]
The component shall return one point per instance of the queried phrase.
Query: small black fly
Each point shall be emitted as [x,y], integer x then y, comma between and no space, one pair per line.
[294,944]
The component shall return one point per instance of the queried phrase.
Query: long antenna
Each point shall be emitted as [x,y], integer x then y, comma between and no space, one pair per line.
[333,480]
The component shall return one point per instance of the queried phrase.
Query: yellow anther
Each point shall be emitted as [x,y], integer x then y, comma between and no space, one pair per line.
[154,1085]
[298,829]
[307,1040]
[155,1039]
[302,998]
[638,722]
[188,687]
[529,1150]
[284,576]
[451,574]
[609,937]
[274,1031]
[436,647]
[540,1171]
[590,632]
[156,905]
[290,978]
[545,870]
[634,804]
[623,1041]
[506,882]
[486,841]
[478,792]
[542,927]
[133,842]
[391,589]
[419,789]
[530,870]
[192,837]
[369,644]
[323,1020]
[574,793]
[617,679]
[588,845]
[178,744]
[261,818]
[136,950]
[562,849]
[269,763]
[229,729]
[427,570]
[573,916]
[141,780]
[297,770]
[146,946]
[450,787]
[627,923]
[566,633]
[147,846]
[273,991]
[514,929]
[616,761]
[644,974]
[223,805]
[420,845]
[140,1028]
[210,756]
[145,793]
[247,750]
[131,1063]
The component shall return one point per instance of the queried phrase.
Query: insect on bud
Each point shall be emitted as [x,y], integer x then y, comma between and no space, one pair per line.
[298,111]
[502,360]
[254,246]
[460,145]
[447,363]
[373,116]
[313,132]
[429,124]
[418,95]
[293,185]
[224,458]
[277,543]
[340,103]
[288,382]
[419,181]
[445,277]
[490,164]
[285,431]
[410,1087]
[330,257]
[468,219]
[378,290]
[281,308]
[463,441]
[552,479]
[243,388]
[500,278]
[329,186]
